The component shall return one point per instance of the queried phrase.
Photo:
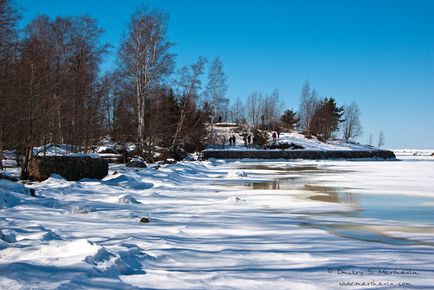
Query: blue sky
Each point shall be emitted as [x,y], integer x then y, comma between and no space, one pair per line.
[377,53]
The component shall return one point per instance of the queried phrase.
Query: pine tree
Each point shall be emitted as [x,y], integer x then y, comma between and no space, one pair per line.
[290,119]
[326,119]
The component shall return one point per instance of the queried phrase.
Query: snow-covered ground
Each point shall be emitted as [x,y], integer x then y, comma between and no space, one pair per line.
[224,225]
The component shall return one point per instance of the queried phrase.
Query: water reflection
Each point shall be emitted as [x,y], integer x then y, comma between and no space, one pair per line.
[397,208]
[316,192]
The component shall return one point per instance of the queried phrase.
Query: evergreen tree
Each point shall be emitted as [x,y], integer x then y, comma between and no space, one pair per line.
[326,119]
[290,119]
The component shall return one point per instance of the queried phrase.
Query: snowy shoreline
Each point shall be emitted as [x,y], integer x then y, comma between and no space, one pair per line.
[222,225]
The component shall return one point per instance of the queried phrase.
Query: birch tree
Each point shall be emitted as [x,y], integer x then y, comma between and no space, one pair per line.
[254,108]
[381,139]
[352,127]
[270,109]
[238,112]
[308,106]
[188,85]
[144,60]
[216,91]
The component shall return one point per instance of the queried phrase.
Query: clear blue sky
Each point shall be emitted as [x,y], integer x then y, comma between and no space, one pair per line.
[377,53]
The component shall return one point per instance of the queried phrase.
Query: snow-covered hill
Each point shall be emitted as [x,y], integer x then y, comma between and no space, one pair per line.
[295,138]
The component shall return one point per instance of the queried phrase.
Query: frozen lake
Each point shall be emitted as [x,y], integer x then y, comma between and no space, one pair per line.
[226,225]
[408,208]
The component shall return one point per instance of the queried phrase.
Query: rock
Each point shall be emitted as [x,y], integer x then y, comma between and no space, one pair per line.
[10,178]
[296,146]
[81,209]
[169,161]
[284,146]
[8,236]
[136,164]
[236,173]
[32,192]
[144,220]
[432,154]
[129,199]
[109,151]
[70,168]
[156,167]
[179,154]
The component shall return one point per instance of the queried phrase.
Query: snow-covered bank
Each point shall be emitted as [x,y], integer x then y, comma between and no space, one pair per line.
[217,224]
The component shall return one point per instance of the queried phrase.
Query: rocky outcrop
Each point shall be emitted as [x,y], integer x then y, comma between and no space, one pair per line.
[297,154]
[71,168]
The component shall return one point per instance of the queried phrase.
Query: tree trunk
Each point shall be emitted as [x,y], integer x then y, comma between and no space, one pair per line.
[25,166]
[179,127]
[1,150]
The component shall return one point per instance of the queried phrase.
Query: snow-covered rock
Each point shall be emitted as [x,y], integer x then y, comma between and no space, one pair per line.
[8,236]
[126,198]
[236,173]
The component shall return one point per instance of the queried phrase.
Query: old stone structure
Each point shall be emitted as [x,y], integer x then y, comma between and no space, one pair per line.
[297,154]
[71,168]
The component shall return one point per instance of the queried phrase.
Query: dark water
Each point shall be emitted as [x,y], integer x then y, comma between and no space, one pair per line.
[400,209]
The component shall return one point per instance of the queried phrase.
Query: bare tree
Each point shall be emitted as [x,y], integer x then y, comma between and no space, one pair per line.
[8,50]
[189,84]
[58,72]
[308,107]
[253,108]
[238,112]
[144,60]
[370,139]
[381,139]
[215,91]
[352,127]
[271,109]
[216,88]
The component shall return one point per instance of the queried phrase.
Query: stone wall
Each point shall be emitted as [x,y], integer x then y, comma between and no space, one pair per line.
[71,168]
[297,154]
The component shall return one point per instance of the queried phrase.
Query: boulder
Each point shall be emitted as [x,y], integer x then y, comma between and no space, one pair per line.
[169,161]
[136,163]
[144,220]
[70,168]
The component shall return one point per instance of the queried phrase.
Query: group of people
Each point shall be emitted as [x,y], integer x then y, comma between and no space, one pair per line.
[248,140]
[232,140]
